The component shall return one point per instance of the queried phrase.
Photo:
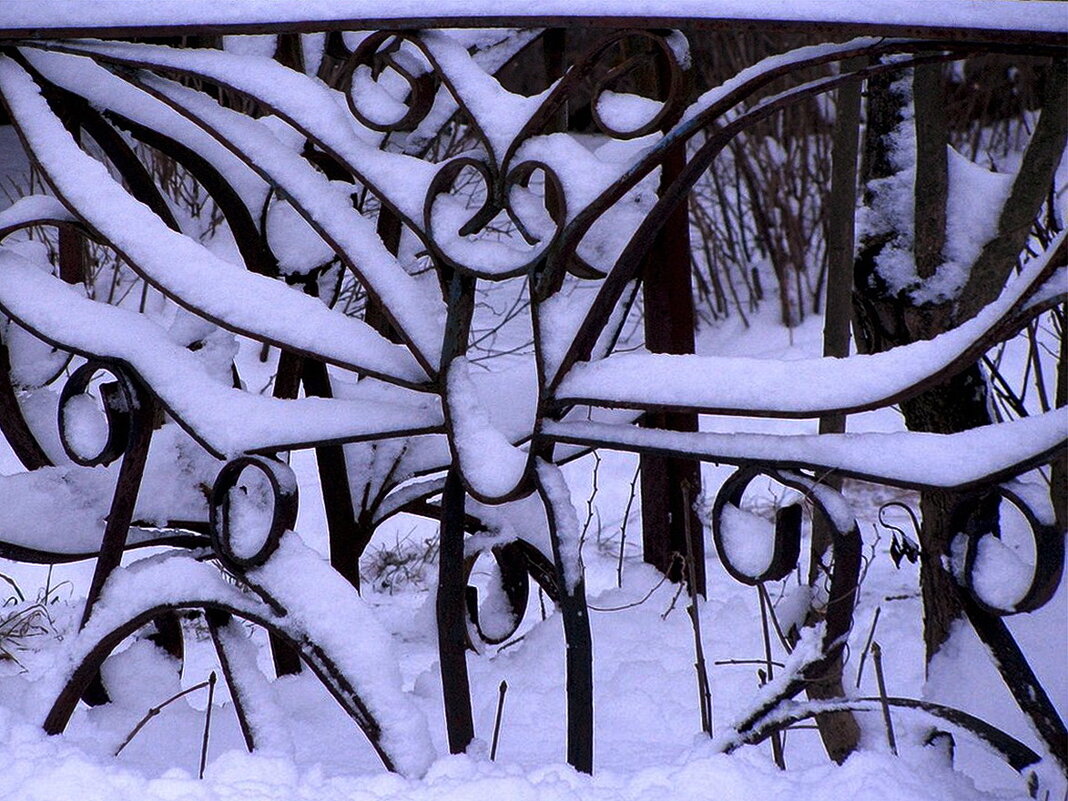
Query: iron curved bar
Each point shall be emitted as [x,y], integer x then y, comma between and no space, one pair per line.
[786,542]
[1018,755]
[130,409]
[13,424]
[1032,301]
[970,519]
[240,329]
[170,537]
[284,502]
[779,451]
[325,669]
[124,65]
[127,67]
[628,264]
[585,67]
[706,114]
[518,562]
[422,84]
[123,401]
[845,549]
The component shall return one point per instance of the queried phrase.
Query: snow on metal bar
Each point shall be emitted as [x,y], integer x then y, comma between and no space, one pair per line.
[347,645]
[904,458]
[84,77]
[227,421]
[300,99]
[326,206]
[47,17]
[274,139]
[183,268]
[33,210]
[808,387]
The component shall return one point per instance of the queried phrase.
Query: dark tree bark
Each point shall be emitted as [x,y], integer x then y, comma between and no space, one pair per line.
[667,281]
[889,316]
[838,730]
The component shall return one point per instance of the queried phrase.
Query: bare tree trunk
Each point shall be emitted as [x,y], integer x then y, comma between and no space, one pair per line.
[838,730]
[889,317]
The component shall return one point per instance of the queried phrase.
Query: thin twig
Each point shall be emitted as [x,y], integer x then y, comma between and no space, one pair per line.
[590,500]
[207,723]
[877,657]
[867,645]
[783,640]
[623,526]
[674,601]
[152,712]
[776,738]
[14,586]
[747,662]
[703,689]
[643,599]
[497,722]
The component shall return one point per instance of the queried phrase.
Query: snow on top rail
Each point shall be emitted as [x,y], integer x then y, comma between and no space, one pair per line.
[912,459]
[1037,21]
[809,387]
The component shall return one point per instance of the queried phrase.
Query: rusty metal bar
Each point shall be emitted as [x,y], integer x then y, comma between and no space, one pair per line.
[669,328]
[957,22]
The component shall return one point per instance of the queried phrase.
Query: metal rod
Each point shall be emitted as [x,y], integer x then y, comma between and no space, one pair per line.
[877,657]
[207,724]
[497,722]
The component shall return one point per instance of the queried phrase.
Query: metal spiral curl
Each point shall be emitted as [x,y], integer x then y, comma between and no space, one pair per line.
[377,53]
[518,562]
[786,546]
[670,74]
[845,544]
[125,406]
[499,196]
[837,614]
[283,486]
[973,518]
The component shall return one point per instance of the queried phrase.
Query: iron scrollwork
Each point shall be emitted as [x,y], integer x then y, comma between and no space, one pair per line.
[584,223]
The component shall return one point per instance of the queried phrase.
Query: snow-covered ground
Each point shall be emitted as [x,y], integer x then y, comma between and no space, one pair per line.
[648,742]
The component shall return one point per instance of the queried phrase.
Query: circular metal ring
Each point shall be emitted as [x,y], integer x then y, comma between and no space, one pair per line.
[518,562]
[513,584]
[375,54]
[123,400]
[972,519]
[224,536]
[668,66]
[786,546]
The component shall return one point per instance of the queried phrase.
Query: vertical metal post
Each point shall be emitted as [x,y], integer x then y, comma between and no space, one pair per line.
[451,602]
[669,328]
[452,622]
[347,541]
[286,385]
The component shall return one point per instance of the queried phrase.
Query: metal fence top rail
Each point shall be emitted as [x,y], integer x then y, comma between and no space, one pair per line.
[1035,21]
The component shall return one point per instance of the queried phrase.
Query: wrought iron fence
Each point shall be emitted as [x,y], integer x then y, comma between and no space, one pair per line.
[335,150]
